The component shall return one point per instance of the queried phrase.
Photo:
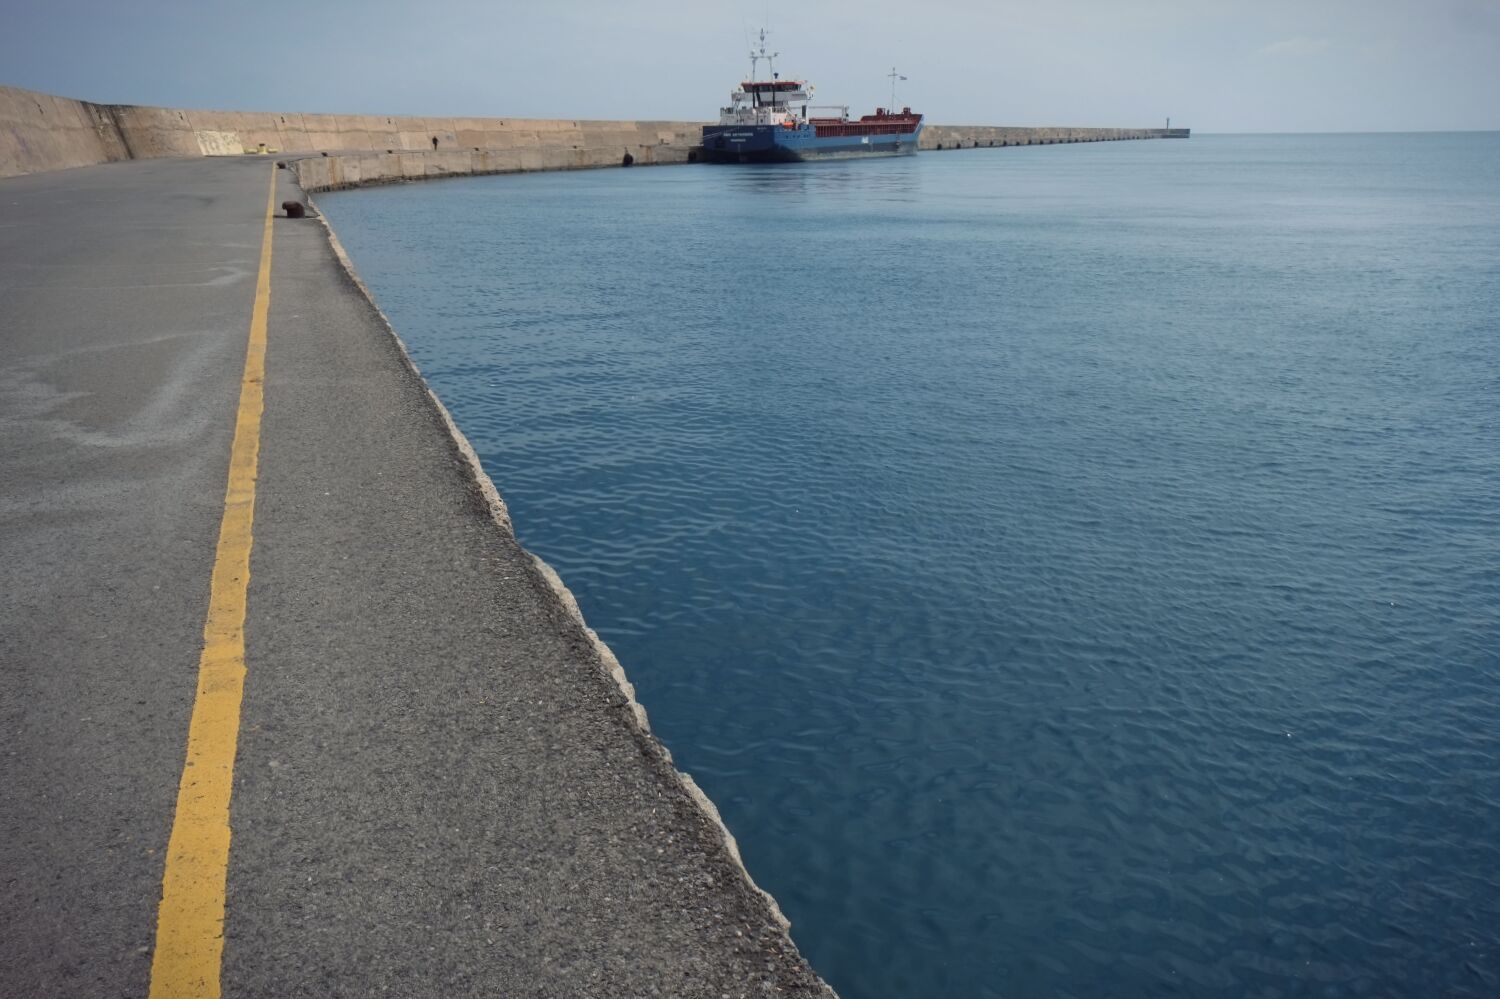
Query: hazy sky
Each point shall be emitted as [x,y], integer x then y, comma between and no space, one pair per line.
[1214,65]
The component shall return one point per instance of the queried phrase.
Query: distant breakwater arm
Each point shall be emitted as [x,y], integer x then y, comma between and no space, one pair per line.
[41,132]
[985,136]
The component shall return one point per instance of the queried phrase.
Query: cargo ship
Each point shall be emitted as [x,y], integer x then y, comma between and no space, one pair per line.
[774,120]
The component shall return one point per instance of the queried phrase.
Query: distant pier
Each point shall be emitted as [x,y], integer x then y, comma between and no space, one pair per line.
[994,136]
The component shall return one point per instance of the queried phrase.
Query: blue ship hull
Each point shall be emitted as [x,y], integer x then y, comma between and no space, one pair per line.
[774,144]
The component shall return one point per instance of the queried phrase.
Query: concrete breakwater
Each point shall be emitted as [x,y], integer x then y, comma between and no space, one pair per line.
[335,171]
[442,783]
[40,132]
[984,136]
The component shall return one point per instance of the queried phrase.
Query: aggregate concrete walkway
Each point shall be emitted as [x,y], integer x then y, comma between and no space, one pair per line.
[438,791]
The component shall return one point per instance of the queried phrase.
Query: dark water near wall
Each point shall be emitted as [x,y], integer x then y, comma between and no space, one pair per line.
[1073,571]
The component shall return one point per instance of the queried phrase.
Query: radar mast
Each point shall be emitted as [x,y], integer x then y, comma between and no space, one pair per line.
[757,55]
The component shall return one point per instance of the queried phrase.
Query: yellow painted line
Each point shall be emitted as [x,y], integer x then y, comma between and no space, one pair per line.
[190,922]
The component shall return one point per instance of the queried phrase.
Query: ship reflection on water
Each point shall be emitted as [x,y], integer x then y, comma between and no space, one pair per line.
[893,179]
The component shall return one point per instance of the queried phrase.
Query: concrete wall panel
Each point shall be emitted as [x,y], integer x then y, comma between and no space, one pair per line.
[44,132]
[220,143]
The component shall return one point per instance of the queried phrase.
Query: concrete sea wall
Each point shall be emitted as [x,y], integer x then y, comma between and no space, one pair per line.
[40,132]
[334,171]
[984,136]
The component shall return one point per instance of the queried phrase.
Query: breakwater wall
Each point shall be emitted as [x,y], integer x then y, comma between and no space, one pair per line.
[986,136]
[336,171]
[40,132]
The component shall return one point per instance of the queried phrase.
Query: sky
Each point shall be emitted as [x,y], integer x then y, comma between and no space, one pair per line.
[1212,65]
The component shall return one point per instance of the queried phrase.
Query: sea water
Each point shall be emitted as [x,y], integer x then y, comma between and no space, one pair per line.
[1073,571]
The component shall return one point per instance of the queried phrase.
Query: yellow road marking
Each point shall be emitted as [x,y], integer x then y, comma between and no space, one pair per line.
[190,922]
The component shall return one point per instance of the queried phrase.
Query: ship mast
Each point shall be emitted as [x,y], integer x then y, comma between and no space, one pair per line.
[894,77]
[757,56]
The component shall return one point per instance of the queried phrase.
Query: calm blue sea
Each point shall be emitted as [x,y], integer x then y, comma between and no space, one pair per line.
[1074,571]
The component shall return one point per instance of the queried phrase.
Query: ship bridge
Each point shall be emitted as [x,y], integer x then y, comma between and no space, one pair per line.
[774,93]
[767,102]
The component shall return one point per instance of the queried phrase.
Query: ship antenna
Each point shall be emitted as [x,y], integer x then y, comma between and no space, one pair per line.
[757,56]
[894,77]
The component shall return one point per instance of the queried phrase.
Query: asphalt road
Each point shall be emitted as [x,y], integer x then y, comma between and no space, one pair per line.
[438,791]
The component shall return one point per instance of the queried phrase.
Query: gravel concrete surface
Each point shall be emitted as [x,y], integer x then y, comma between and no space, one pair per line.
[439,790]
